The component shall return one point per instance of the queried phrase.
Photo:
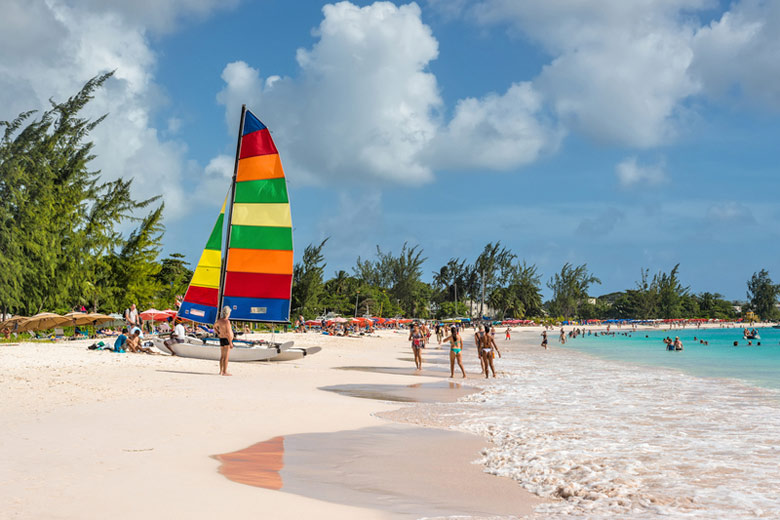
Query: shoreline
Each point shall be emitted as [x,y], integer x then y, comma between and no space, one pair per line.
[135,433]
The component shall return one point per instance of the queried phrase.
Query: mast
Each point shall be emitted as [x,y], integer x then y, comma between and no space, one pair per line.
[230,213]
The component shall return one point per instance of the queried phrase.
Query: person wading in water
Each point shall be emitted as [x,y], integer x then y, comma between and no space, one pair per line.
[225,332]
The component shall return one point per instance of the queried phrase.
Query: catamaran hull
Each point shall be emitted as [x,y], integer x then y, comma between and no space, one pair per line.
[292,354]
[212,352]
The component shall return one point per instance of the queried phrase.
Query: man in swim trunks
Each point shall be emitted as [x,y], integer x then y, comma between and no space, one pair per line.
[225,332]
[544,339]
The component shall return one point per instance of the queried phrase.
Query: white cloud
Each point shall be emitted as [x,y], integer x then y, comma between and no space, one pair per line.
[622,72]
[618,71]
[52,48]
[364,105]
[630,173]
[497,132]
[736,56]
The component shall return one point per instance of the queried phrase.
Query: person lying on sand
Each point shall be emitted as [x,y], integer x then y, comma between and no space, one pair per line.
[134,343]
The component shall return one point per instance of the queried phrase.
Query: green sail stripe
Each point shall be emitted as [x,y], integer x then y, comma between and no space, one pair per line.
[262,191]
[215,240]
[261,237]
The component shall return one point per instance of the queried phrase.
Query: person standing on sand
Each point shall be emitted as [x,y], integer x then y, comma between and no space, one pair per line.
[416,337]
[456,347]
[225,332]
[544,339]
[131,317]
[508,335]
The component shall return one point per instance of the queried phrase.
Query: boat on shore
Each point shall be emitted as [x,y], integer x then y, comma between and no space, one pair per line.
[250,271]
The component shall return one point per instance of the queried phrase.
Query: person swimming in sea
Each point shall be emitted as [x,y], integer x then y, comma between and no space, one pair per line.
[456,349]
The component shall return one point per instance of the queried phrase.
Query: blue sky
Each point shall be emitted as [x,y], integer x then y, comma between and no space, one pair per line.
[624,135]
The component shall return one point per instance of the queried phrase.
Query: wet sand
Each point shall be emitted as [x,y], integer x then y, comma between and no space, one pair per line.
[438,392]
[362,468]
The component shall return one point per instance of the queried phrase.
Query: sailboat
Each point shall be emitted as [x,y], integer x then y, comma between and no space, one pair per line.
[251,270]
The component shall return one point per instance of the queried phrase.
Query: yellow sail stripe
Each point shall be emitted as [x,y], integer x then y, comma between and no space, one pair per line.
[210,258]
[272,215]
[206,277]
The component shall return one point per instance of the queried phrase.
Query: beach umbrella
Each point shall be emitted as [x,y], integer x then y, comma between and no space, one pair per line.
[313,322]
[11,322]
[80,318]
[154,315]
[99,319]
[43,321]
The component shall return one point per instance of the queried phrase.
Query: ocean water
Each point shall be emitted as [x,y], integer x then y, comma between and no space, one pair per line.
[756,364]
[641,434]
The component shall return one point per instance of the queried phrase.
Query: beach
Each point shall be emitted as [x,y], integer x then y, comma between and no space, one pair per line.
[355,432]
[93,434]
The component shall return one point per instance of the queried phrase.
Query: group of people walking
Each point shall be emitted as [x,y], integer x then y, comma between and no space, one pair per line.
[484,340]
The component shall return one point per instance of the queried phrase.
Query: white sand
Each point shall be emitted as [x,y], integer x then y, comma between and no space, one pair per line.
[90,434]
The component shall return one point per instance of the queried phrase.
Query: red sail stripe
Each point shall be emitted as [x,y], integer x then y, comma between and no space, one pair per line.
[258,285]
[257,143]
[202,295]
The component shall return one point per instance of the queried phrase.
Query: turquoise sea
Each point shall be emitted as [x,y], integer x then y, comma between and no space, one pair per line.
[757,364]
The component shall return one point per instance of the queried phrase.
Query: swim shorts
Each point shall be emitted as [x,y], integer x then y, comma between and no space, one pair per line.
[224,342]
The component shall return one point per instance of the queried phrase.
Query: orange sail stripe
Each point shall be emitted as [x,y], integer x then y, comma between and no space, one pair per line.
[260,261]
[260,167]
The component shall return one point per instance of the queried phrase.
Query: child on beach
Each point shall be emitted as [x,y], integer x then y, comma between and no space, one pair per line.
[456,347]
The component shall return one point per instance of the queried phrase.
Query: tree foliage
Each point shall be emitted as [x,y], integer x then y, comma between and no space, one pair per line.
[60,243]
[762,293]
[570,289]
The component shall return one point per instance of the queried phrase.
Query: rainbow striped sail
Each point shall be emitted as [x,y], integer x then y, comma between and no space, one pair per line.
[202,298]
[255,280]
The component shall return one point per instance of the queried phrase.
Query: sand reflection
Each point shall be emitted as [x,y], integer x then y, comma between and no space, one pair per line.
[258,465]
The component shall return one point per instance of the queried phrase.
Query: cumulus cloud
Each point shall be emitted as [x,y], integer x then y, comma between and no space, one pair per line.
[498,132]
[631,173]
[618,72]
[52,48]
[365,106]
[623,72]
[736,56]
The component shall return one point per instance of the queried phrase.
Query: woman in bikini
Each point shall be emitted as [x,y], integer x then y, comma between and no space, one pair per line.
[488,350]
[416,337]
[456,346]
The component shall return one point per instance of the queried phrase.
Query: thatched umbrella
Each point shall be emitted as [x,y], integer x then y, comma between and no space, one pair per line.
[10,322]
[42,321]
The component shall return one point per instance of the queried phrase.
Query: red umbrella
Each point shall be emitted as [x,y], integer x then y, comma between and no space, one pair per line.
[154,315]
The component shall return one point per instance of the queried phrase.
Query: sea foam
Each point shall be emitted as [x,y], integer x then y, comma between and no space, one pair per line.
[606,439]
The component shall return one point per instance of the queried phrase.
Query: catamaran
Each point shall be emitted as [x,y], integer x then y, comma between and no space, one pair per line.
[251,270]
